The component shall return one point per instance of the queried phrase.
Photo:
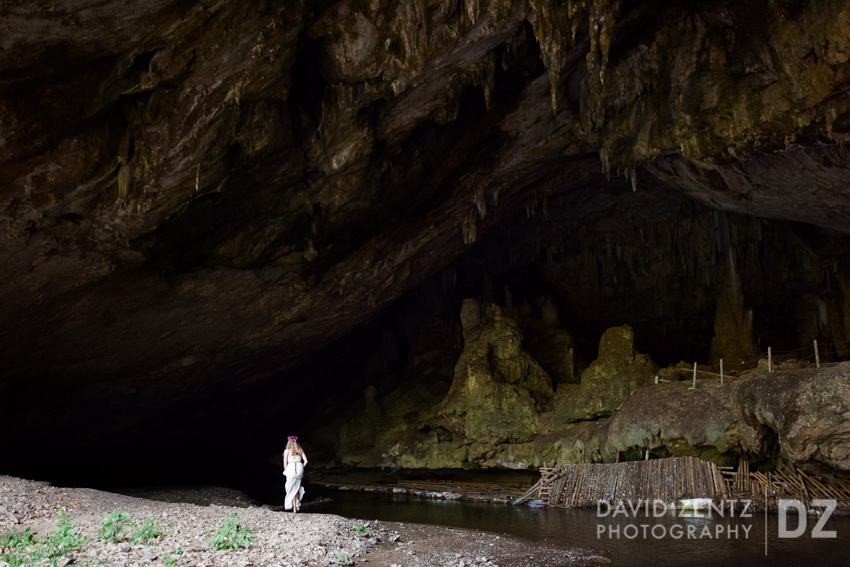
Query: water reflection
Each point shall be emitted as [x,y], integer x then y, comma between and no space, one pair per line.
[631,540]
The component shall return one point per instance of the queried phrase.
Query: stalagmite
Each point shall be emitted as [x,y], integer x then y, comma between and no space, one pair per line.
[733,324]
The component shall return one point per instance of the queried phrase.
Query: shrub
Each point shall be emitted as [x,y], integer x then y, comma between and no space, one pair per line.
[63,539]
[232,535]
[14,539]
[16,542]
[113,524]
[146,532]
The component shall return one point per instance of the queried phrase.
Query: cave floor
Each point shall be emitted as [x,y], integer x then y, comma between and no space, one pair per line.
[281,539]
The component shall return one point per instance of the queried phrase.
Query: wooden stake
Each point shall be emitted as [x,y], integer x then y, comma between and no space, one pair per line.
[721,371]
[695,377]
[769,360]
[817,356]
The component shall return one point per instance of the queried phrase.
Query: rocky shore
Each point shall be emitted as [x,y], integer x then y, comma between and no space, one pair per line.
[280,539]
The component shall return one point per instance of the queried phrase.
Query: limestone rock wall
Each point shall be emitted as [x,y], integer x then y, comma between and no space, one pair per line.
[796,415]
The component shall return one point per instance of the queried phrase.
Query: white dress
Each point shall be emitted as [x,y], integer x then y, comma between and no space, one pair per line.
[294,472]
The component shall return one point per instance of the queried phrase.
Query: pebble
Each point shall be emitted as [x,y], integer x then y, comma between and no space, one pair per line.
[281,539]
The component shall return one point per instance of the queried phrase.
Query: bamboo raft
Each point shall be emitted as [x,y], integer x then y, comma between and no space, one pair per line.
[767,489]
[584,485]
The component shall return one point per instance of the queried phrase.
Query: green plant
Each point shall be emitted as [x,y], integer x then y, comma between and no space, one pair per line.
[113,524]
[361,529]
[13,559]
[168,559]
[146,532]
[231,535]
[342,559]
[63,539]
[14,539]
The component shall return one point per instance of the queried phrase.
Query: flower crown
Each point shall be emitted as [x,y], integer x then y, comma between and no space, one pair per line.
[292,438]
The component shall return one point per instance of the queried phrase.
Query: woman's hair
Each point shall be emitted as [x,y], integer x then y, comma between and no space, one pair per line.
[293,447]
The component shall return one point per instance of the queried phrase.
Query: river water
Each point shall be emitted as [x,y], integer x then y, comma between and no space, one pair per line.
[630,538]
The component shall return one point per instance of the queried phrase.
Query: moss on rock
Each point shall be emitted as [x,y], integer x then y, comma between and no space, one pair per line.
[497,388]
[617,373]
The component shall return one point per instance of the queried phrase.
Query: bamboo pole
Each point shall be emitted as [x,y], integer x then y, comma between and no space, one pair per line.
[828,491]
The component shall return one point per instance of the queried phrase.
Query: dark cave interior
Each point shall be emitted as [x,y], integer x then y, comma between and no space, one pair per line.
[648,273]
[212,245]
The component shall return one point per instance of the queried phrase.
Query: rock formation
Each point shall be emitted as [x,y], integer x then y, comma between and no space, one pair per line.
[618,372]
[733,324]
[792,416]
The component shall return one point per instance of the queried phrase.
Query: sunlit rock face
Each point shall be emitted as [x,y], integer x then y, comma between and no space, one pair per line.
[195,198]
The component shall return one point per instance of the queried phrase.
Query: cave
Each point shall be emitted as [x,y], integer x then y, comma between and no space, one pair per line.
[378,225]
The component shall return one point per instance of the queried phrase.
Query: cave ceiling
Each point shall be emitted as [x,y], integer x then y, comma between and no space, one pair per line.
[197,196]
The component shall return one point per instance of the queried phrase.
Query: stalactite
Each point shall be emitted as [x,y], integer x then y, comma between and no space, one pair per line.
[480,202]
[549,20]
[488,80]
[473,9]
[450,113]
[823,317]
[601,19]
[606,165]
[125,179]
[470,228]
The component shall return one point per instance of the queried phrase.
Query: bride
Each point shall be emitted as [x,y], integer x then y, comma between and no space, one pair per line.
[294,460]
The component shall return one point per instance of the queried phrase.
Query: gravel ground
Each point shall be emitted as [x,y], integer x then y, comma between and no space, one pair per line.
[282,539]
